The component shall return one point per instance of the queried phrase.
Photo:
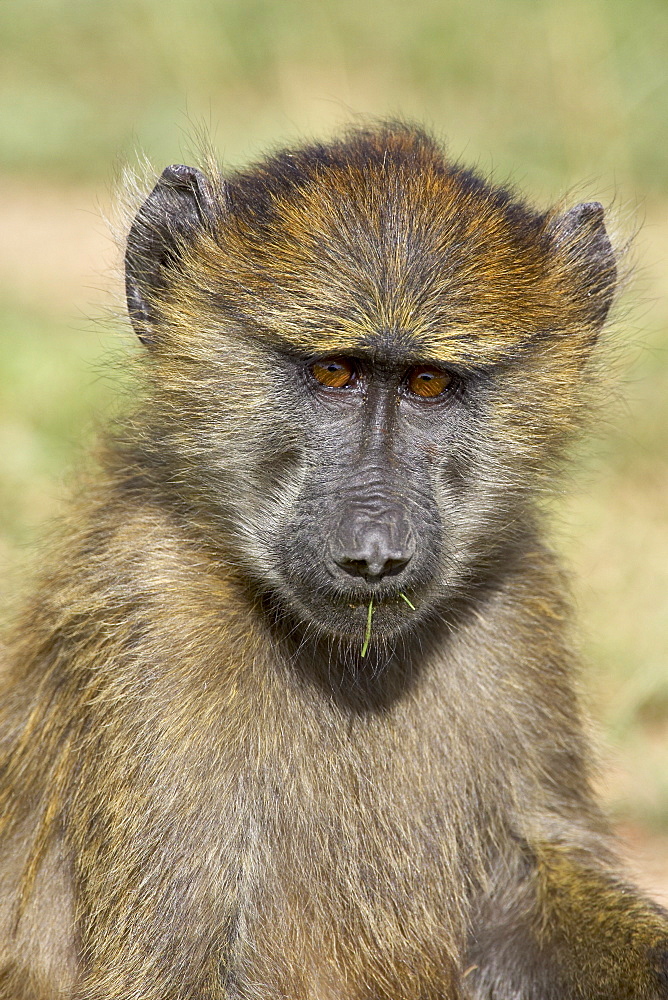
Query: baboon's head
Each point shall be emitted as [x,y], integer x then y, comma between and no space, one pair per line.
[362,361]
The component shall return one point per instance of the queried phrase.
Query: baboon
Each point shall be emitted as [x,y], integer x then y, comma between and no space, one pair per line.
[291,712]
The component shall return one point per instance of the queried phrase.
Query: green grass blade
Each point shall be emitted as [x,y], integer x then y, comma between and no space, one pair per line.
[367,636]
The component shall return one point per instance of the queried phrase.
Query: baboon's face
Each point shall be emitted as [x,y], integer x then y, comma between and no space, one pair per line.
[364,361]
[380,501]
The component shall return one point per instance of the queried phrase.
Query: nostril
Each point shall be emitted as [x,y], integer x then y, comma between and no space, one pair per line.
[373,567]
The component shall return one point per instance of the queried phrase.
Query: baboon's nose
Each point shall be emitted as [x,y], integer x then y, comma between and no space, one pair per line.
[373,548]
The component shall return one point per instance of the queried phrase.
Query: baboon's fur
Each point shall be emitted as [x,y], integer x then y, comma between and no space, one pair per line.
[206,792]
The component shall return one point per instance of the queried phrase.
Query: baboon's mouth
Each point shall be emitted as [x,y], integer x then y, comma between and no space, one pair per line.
[360,619]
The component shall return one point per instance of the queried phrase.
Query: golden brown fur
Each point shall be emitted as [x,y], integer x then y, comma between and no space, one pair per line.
[207,794]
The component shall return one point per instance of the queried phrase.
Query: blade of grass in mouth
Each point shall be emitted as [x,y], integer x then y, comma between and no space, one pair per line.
[367,634]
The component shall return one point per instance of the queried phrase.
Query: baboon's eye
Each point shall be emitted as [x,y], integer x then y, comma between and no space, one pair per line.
[427,381]
[335,373]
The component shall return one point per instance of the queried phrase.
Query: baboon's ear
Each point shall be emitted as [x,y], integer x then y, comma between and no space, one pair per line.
[179,204]
[579,238]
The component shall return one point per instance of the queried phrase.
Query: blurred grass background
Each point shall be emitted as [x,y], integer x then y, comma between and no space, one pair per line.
[552,94]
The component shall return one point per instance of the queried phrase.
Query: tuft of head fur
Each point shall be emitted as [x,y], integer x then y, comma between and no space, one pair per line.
[323,246]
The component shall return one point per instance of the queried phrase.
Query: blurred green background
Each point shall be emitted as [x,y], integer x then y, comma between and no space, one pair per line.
[556,95]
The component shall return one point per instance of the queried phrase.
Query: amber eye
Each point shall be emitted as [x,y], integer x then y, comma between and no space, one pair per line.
[427,381]
[335,373]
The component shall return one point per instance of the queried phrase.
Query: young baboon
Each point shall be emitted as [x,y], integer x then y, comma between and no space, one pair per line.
[291,713]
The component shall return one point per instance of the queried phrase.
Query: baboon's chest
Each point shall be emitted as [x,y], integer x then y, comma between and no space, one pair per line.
[348,906]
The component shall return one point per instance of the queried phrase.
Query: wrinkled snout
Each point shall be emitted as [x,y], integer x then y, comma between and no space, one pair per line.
[373,540]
